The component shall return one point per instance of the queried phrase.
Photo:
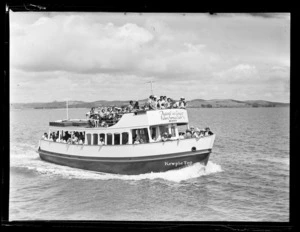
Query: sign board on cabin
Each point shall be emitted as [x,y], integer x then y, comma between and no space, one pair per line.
[167,116]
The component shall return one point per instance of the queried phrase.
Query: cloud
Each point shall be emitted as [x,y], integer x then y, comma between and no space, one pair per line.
[73,43]
[240,73]
[79,44]
[93,55]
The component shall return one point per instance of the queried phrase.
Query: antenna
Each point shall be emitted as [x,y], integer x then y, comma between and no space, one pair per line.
[151,86]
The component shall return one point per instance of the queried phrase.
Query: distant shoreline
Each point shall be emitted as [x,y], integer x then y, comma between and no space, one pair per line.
[187,108]
[196,103]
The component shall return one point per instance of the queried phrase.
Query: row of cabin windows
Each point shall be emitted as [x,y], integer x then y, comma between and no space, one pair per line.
[140,135]
[109,137]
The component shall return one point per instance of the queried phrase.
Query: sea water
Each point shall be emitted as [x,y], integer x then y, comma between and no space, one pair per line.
[246,178]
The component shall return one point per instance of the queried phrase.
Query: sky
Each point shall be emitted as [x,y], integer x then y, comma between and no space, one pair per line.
[58,56]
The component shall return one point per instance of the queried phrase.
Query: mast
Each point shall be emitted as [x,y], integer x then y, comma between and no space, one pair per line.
[151,86]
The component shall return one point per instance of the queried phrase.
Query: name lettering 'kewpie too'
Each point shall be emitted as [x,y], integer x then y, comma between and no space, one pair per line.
[129,141]
[176,164]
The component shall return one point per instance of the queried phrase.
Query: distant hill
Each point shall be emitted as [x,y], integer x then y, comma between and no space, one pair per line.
[196,103]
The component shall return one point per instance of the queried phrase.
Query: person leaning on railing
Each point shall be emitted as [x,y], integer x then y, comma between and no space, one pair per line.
[208,131]
[45,136]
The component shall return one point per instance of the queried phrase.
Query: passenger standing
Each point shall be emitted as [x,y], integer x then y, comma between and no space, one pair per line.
[182,103]
[136,106]
[54,137]
[175,105]
[162,102]
[168,103]
[165,99]
[201,133]
[92,111]
[130,106]
[153,105]
[192,129]
[148,102]
[158,104]
[102,113]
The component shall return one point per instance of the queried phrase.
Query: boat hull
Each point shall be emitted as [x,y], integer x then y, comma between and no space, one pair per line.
[129,165]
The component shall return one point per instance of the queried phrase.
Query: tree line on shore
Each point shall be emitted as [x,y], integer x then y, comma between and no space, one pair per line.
[197,103]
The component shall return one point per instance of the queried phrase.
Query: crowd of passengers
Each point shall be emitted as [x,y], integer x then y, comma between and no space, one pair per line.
[70,138]
[188,134]
[78,137]
[107,116]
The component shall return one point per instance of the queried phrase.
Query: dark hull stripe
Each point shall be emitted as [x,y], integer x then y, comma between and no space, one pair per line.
[128,167]
[126,159]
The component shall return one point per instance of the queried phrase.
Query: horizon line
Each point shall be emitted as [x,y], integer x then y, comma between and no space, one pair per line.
[146,98]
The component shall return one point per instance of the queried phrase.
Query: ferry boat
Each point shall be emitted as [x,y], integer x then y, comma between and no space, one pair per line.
[118,153]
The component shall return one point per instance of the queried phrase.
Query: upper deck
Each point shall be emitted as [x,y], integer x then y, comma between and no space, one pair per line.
[132,120]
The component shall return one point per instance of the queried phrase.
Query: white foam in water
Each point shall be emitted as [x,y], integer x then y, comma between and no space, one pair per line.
[178,175]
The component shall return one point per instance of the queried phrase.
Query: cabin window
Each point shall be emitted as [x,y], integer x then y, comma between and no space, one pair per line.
[140,135]
[153,133]
[102,136]
[109,139]
[125,137]
[117,139]
[173,131]
[95,139]
[88,136]
[163,129]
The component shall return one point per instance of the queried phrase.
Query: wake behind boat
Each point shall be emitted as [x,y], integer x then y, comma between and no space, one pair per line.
[131,143]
